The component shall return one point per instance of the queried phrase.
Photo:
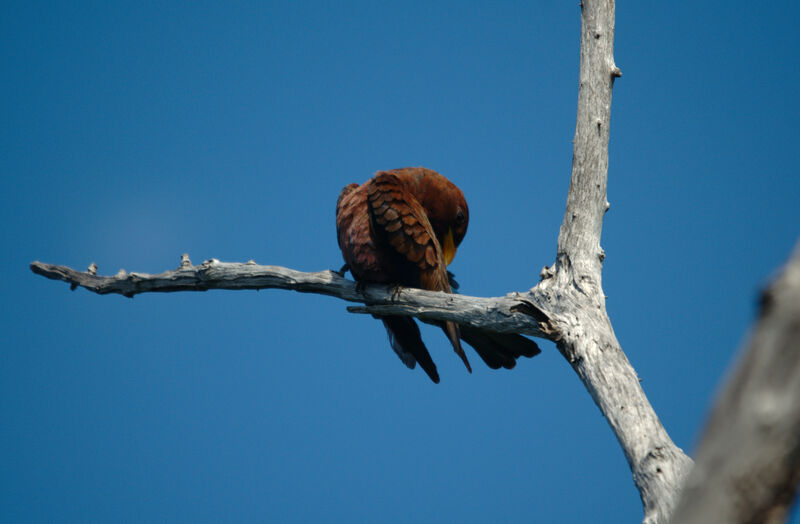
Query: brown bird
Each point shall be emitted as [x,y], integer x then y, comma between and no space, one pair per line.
[402,227]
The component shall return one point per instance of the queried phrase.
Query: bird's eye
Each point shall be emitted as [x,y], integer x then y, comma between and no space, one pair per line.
[460,217]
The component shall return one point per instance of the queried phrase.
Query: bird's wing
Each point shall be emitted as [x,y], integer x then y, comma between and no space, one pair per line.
[353,232]
[402,221]
[400,218]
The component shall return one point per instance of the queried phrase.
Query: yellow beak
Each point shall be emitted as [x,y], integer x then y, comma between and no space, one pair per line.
[448,247]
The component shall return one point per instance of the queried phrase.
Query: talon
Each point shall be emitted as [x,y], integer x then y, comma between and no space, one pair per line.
[341,272]
[396,290]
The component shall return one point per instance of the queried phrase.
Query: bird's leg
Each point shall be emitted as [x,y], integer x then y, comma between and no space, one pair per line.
[395,289]
[345,269]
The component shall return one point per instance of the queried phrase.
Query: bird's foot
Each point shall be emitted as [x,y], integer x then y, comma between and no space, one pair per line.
[341,272]
[396,290]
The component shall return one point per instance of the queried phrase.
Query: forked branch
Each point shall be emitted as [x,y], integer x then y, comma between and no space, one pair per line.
[572,295]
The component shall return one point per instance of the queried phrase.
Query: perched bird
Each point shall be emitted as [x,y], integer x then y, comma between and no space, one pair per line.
[402,227]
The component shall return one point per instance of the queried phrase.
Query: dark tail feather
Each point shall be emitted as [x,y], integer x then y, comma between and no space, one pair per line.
[499,349]
[453,333]
[407,342]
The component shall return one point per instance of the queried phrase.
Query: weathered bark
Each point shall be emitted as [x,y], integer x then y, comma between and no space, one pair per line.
[510,314]
[567,306]
[571,293]
[748,460]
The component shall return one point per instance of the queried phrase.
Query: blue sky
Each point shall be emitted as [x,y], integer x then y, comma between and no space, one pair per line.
[136,132]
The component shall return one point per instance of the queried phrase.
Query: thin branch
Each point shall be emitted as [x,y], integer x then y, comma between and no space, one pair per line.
[748,460]
[510,314]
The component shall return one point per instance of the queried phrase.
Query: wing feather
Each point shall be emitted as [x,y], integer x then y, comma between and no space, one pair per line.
[399,217]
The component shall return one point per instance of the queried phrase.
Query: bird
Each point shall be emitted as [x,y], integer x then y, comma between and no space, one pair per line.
[402,228]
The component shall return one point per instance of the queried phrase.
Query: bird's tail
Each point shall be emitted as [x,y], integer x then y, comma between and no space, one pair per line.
[405,338]
[453,333]
[499,349]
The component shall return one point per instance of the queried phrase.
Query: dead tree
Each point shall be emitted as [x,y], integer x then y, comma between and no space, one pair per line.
[567,306]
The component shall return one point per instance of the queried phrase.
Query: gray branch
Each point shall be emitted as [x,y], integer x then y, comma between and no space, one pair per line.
[571,292]
[748,461]
[513,313]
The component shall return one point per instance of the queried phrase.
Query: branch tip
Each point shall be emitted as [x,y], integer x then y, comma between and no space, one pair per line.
[185,262]
[357,309]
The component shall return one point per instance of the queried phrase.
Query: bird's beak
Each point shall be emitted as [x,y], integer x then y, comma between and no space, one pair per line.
[448,247]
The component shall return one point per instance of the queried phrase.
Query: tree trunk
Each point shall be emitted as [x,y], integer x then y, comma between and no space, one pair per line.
[748,461]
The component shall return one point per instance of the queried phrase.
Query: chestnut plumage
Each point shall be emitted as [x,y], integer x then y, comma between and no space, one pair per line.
[402,227]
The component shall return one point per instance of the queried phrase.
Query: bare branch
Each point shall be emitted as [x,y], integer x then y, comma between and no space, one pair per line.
[579,237]
[513,313]
[748,461]
[571,291]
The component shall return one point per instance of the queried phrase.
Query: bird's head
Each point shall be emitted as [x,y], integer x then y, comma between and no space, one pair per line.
[446,208]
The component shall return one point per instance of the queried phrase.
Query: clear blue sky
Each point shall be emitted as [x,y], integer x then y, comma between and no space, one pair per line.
[137,132]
